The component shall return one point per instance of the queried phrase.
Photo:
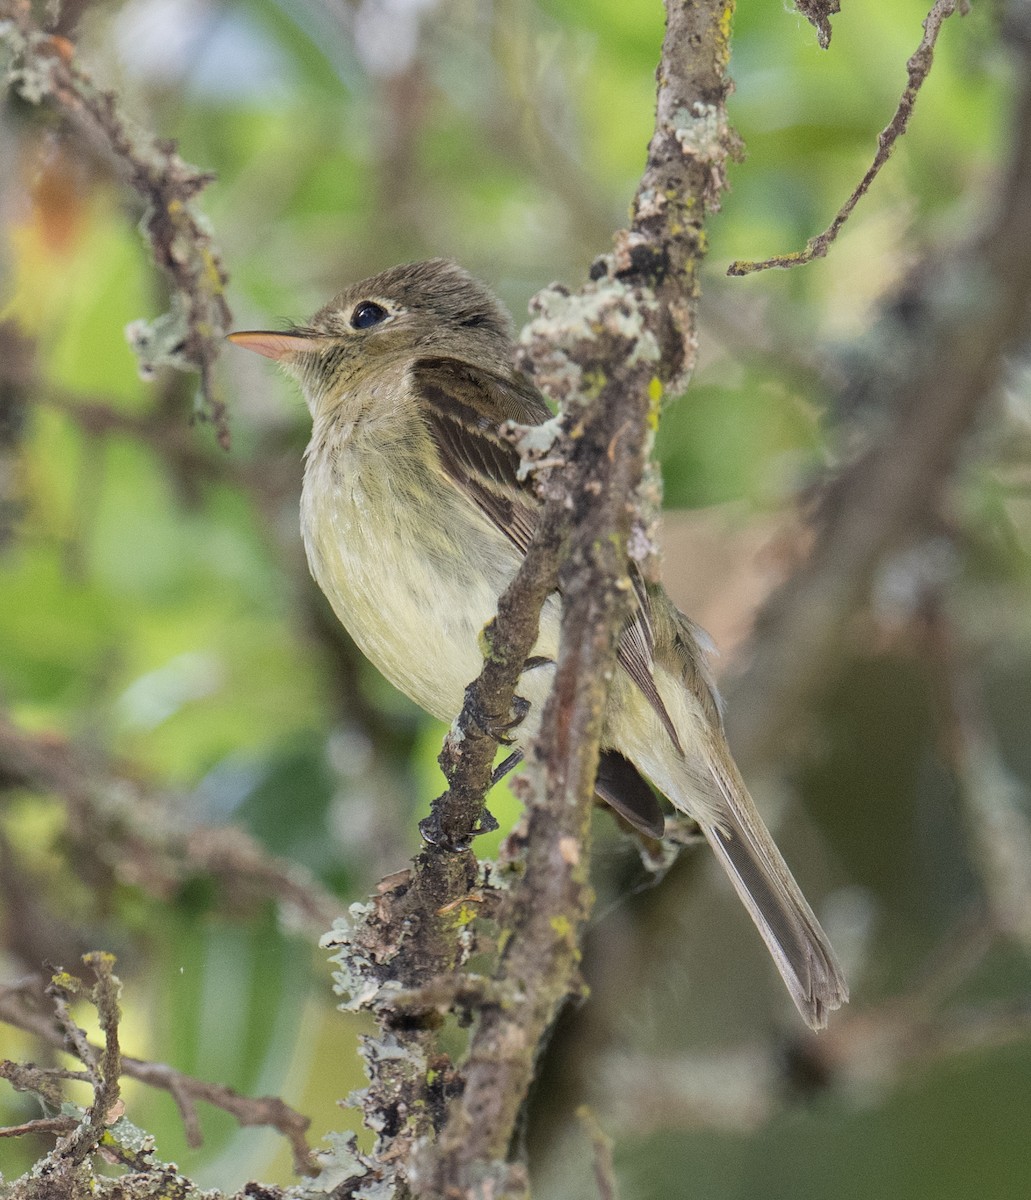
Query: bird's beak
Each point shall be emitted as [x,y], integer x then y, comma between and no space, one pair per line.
[280,346]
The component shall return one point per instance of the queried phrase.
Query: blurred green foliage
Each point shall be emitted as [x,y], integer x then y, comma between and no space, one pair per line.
[154,600]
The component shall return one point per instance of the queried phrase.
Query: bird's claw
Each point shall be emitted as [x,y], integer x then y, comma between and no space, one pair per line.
[498,728]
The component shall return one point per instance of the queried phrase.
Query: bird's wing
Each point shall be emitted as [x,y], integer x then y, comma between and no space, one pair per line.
[684,649]
[463,406]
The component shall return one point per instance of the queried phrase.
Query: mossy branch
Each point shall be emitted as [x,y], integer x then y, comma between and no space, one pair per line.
[43,68]
[605,353]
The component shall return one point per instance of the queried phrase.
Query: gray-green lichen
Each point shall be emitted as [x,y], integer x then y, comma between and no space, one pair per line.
[567,331]
[357,978]
[342,1163]
[131,1137]
[18,69]
[160,342]
[535,444]
[701,131]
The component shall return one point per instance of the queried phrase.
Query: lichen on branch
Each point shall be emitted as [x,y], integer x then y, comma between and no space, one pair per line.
[43,68]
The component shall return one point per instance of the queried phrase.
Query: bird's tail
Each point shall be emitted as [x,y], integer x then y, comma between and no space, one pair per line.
[774,900]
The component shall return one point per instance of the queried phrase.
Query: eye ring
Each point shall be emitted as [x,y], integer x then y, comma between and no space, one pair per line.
[368,313]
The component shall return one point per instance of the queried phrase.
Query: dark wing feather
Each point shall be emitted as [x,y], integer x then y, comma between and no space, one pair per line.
[463,406]
[620,784]
[472,452]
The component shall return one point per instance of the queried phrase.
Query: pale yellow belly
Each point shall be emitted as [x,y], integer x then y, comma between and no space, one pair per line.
[415,594]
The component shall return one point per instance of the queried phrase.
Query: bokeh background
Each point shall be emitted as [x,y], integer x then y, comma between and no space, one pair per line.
[156,610]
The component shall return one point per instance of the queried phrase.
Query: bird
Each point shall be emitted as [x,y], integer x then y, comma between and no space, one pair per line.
[415,517]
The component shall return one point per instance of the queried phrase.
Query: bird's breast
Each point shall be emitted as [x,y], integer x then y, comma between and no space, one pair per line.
[411,567]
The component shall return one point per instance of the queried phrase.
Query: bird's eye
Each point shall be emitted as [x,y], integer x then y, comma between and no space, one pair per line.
[368,313]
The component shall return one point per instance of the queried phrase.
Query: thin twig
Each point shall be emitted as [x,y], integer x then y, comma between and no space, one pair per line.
[268,1111]
[917,69]
[104,1066]
[59,1126]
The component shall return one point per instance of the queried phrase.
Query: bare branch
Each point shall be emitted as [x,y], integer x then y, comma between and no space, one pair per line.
[44,1082]
[158,853]
[917,68]
[41,1125]
[43,67]
[469,750]
[268,1111]
[103,1067]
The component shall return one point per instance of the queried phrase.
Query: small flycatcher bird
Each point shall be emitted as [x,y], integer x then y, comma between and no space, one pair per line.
[415,520]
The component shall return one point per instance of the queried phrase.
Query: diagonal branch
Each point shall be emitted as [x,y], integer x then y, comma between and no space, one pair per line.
[917,70]
[156,854]
[544,912]
[188,337]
